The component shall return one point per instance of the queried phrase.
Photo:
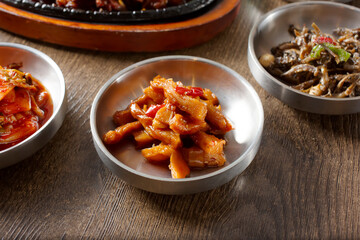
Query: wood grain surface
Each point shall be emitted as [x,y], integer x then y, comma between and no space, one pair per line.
[302,184]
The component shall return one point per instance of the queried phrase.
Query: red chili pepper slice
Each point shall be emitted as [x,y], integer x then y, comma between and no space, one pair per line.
[192,91]
[152,110]
[322,39]
[181,90]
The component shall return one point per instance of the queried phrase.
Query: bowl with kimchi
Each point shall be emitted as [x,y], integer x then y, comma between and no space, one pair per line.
[177,124]
[306,54]
[32,101]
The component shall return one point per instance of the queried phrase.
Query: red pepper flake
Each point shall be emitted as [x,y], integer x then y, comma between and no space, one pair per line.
[152,110]
[322,39]
[192,91]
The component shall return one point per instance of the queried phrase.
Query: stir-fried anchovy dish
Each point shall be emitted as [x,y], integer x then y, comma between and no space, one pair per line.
[318,63]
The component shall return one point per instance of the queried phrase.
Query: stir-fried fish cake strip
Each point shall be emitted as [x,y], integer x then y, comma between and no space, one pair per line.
[158,153]
[178,165]
[217,119]
[198,158]
[122,117]
[119,133]
[143,139]
[164,135]
[163,116]
[212,146]
[166,115]
[185,125]
[185,103]
[156,95]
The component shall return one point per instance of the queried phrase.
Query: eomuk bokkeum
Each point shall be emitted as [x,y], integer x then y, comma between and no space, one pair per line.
[175,124]
[25,105]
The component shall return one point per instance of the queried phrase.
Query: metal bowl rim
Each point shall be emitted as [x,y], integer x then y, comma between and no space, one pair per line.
[268,75]
[101,146]
[62,96]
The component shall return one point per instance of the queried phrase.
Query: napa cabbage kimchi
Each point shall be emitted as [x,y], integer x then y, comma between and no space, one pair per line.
[25,105]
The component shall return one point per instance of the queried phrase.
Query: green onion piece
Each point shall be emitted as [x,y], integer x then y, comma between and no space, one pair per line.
[315,52]
[343,55]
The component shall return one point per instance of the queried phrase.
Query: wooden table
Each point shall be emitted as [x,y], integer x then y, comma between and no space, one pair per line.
[303,183]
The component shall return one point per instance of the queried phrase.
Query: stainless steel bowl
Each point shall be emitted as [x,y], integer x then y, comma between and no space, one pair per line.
[271,30]
[240,103]
[49,74]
